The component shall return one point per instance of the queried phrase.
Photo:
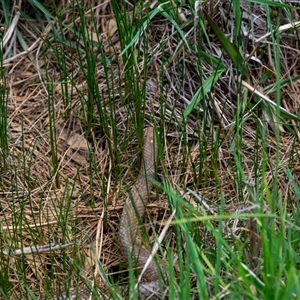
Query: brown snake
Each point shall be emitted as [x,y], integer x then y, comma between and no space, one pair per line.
[130,243]
[134,209]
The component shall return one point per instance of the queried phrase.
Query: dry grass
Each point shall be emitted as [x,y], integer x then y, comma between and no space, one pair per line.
[81,201]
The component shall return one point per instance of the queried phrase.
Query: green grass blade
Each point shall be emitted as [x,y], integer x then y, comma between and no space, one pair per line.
[230,48]
[203,91]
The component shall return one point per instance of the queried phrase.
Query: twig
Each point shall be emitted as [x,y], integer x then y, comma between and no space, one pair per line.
[38,249]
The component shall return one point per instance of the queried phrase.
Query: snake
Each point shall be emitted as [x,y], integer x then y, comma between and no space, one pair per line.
[131,245]
[130,242]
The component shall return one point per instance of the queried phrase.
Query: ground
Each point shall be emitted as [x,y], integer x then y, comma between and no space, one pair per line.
[80,82]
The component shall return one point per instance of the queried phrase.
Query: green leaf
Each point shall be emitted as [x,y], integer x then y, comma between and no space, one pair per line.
[156,11]
[41,8]
[228,47]
[285,82]
[272,3]
[207,86]
[213,61]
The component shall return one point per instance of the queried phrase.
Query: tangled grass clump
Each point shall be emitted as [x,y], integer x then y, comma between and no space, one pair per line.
[80,80]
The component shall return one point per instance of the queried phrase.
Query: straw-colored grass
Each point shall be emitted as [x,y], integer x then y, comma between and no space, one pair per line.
[80,81]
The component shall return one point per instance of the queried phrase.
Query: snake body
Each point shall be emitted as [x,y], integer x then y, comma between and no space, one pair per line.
[81,294]
[130,243]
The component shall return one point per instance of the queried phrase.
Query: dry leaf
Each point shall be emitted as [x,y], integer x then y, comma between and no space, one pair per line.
[111,28]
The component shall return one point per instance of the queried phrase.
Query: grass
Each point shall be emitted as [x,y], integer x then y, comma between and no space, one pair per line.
[219,85]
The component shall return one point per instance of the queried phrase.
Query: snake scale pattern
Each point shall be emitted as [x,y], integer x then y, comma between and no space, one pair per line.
[134,209]
[130,243]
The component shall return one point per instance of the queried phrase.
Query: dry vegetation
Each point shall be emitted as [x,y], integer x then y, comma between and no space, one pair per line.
[73,190]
